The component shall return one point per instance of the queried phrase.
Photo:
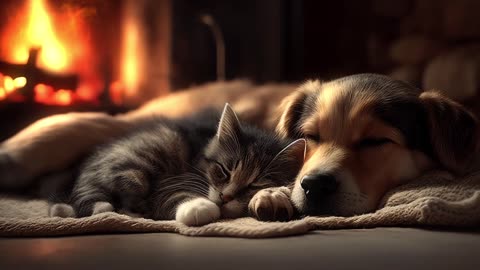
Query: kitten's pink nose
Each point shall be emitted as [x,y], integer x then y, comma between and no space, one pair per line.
[226,198]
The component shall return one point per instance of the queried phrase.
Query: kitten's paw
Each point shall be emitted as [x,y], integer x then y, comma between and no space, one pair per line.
[61,210]
[197,212]
[102,207]
[271,204]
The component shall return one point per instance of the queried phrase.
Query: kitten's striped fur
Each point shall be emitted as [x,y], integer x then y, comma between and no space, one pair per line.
[192,169]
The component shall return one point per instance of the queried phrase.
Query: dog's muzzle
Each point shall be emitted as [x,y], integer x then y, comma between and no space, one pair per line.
[318,186]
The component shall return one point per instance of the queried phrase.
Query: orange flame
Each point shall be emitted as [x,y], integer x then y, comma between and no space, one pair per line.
[40,34]
[37,31]
[130,65]
[132,54]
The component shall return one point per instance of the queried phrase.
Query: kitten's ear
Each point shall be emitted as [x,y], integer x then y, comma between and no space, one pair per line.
[295,151]
[229,125]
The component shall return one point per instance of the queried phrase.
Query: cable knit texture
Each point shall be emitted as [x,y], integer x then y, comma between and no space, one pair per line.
[436,199]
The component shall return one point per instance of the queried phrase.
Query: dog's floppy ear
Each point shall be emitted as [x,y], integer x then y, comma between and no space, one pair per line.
[454,131]
[292,108]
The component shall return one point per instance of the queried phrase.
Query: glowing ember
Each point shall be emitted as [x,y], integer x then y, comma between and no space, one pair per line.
[63,97]
[47,95]
[19,82]
[8,85]
[43,92]
[116,92]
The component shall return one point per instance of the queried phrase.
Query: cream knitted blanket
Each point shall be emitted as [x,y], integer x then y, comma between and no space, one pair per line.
[436,199]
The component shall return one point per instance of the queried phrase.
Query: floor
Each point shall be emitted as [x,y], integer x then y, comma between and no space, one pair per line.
[381,248]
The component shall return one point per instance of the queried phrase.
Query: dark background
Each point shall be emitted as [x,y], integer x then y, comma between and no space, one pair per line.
[278,40]
[271,40]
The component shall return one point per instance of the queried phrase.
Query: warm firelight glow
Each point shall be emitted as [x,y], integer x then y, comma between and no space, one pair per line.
[116,92]
[132,55]
[20,82]
[60,32]
[8,85]
[63,97]
[130,65]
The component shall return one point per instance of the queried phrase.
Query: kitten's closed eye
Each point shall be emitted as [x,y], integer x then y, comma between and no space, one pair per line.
[217,171]
[259,184]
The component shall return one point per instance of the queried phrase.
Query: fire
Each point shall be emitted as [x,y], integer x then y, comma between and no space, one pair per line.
[130,67]
[65,47]
[39,33]
[35,31]
[132,56]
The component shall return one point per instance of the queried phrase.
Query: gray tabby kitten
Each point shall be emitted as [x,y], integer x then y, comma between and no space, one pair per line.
[195,170]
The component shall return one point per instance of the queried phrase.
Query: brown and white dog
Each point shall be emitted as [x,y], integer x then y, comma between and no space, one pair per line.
[366,134]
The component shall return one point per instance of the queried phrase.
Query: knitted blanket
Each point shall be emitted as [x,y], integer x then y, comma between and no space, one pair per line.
[436,199]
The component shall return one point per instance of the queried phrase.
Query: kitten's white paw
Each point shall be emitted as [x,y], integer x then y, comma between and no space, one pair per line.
[61,210]
[197,212]
[102,207]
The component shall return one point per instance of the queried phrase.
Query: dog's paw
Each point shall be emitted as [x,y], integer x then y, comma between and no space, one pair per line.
[271,204]
[197,212]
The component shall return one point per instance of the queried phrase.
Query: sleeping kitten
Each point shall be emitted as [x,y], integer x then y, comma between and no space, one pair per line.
[194,170]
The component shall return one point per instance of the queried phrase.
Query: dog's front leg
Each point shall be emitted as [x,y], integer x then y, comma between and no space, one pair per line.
[272,204]
[53,143]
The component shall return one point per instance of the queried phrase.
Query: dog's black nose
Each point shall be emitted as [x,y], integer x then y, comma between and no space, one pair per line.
[321,184]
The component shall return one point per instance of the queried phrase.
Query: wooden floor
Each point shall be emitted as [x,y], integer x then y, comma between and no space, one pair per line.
[381,248]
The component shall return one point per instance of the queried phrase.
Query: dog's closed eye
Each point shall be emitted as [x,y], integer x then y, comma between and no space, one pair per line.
[313,137]
[372,142]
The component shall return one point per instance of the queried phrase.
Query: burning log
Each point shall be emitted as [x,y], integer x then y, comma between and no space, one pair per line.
[36,75]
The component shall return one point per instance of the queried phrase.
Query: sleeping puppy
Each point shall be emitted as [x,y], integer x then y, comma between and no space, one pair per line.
[368,134]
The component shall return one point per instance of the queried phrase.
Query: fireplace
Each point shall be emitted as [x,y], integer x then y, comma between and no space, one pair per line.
[77,55]
[63,53]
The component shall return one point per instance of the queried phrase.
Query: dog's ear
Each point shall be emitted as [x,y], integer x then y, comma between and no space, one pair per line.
[454,131]
[293,107]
